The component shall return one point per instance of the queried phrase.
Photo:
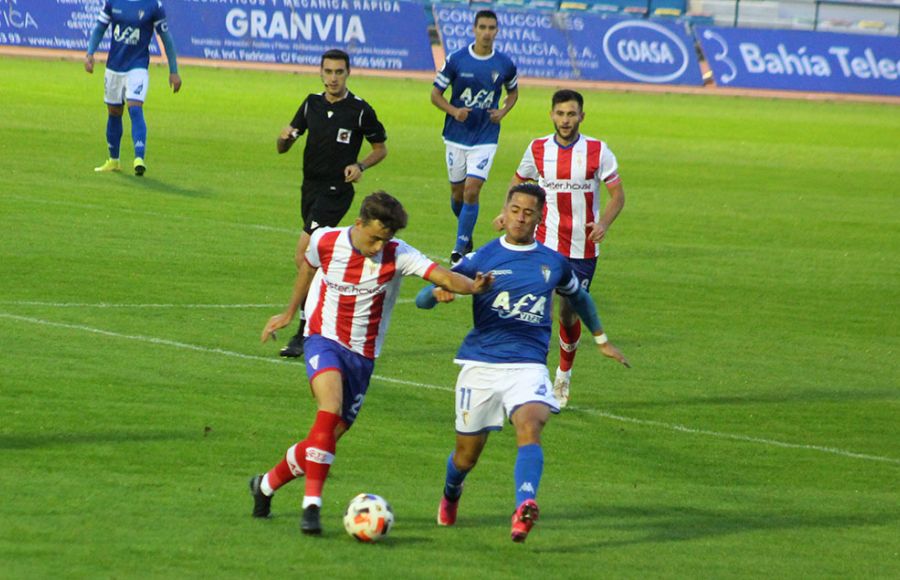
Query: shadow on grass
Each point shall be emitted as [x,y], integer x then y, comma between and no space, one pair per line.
[654,525]
[33,441]
[151,184]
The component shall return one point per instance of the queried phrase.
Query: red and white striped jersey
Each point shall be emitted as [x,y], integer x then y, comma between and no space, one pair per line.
[351,297]
[571,177]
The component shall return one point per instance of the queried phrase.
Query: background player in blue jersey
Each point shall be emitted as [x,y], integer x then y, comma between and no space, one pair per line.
[477,75]
[126,78]
[504,357]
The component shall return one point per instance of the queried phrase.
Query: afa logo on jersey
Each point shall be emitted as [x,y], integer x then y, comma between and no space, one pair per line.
[481,100]
[127,35]
[528,308]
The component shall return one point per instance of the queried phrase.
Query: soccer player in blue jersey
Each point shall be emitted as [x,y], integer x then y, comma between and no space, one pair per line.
[504,357]
[126,79]
[477,75]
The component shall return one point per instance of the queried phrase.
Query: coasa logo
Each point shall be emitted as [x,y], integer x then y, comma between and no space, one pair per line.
[645,51]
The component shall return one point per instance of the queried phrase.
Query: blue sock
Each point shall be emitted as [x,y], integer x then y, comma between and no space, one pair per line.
[454,482]
[138,130]
[113,135]
[466,225]
[456,206]
[529,467]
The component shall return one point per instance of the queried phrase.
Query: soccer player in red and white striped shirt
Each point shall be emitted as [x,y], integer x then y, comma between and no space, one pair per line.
[570,167]
[349,282]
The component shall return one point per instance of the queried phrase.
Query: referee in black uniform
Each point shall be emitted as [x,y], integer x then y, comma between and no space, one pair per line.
[337,121]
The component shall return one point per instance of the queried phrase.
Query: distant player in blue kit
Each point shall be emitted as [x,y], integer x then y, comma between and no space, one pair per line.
[477,75]
[504,357]
[126,78]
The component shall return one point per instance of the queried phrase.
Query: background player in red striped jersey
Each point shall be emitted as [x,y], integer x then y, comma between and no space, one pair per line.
[570,166]
[349,282]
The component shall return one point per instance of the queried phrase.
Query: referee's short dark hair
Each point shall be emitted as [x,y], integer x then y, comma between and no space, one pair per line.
[484,14]
[566,95]
[532,189]
[335,54]
[384,207]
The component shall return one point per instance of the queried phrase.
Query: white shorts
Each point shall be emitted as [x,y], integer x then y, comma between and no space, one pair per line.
[469,162]
[485,395]
[127,86]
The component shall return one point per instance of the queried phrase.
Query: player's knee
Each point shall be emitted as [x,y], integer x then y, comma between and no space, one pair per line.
[464,459]
[471,193]
[528,430]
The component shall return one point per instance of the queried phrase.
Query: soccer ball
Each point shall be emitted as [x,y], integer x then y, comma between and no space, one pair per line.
[368,517]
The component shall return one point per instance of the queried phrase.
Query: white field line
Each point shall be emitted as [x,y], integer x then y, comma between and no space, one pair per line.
[273,360]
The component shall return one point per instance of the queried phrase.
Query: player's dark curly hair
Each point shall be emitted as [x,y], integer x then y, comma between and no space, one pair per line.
[566,95]
[529,189]
[384,207]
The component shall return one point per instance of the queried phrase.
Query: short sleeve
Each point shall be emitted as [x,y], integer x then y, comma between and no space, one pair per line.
[609,167]
[568,281]
[312,251]
[512,77]
[299,120]
[447,74]
[371,127]
[105,15]
[412,262]
[527,169]
[159,19]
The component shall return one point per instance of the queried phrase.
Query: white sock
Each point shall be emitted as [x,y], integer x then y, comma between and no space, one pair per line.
[561,374]
[309,500]
[265,487]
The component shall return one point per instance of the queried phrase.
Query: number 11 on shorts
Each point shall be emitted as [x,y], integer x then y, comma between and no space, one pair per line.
[465,399]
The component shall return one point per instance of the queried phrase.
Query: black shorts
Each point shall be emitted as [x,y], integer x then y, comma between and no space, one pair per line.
[324,204]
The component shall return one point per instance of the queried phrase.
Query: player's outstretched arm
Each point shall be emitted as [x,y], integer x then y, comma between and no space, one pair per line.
[301,289]
[459,284]
[584,305]
[429,297]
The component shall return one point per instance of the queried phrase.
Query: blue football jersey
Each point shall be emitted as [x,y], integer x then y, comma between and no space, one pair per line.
[477,83]
[512,320]
[132,23]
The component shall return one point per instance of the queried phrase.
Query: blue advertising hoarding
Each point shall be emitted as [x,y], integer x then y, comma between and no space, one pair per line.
[802,60]
[583,46]
[378,34]
[56,24]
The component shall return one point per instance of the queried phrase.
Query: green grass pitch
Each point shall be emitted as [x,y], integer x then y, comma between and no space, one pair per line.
[752,279]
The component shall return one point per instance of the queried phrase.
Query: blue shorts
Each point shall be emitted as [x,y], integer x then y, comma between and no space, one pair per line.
[323,354]
[584,270]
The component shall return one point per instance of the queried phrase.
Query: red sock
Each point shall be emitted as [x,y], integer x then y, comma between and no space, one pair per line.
[291,467]
[321,444]
[568,345]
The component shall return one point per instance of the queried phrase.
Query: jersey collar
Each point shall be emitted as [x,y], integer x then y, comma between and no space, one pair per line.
[479,57]
[347,96]
[570,145]
[516,248]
